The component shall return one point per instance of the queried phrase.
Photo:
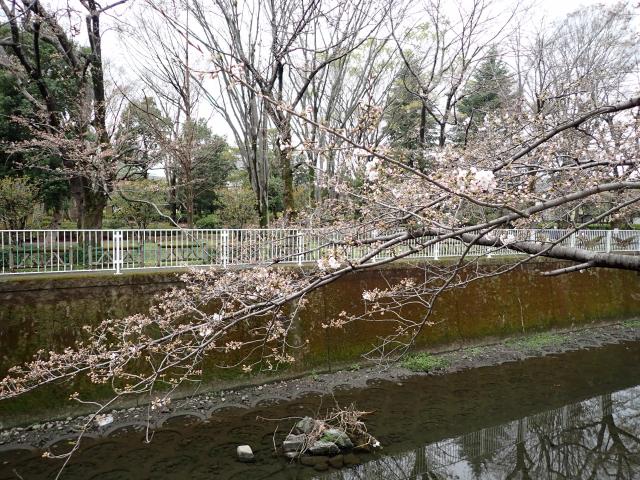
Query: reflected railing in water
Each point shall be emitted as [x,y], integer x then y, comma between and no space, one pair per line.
[596,438]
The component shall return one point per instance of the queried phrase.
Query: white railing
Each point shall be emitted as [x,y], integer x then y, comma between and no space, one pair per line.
[52,251]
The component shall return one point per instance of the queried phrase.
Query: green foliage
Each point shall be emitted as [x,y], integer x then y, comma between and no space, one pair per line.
[211,220]
[140,214]
[238,208]
[474,351]
[18,199]
[403,117]
[633,323]
[201,164]
[540,340]
[15,113]
[425,362]
[488,90]
[274,194]
[140,135]
[599,226]
[355,367]
[115,222]
[213,162]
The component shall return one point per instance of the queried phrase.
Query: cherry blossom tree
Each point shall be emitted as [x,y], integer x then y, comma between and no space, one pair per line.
[520,167]
[66,87]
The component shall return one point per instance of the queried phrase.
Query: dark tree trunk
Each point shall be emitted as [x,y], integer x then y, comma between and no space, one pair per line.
[89,203]
[284,149]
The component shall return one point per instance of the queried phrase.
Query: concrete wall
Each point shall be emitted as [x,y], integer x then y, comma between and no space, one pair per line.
[48,313]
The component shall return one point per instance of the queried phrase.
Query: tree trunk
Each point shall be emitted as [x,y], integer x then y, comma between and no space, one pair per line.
[94,210]
[284,148]
[190,201]
[263,211]
[89,203]
[423,125]
[56,218]
[173,203]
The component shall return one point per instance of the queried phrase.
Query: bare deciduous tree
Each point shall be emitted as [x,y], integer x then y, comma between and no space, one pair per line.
[524,166]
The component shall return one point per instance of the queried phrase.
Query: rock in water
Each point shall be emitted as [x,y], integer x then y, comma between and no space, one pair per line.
[338,437]
[104,420]
[305,425]
[324,448]
[321,467]
[245,454]
[293,443]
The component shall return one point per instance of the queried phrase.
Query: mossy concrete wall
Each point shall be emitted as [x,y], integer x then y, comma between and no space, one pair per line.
[48,312]
[519,301]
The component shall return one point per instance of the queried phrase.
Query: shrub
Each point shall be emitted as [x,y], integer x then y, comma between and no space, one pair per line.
[114,223]
[129,211]
[209,221]
[17,201]
[238,208]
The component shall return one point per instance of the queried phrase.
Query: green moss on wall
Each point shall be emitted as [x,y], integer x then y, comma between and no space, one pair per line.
[48,313]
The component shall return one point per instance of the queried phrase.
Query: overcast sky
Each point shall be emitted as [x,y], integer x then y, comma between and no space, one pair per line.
[120,60]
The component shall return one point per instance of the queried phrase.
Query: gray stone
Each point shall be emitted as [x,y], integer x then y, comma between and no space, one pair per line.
[338,437]
[293,443]
[245,454]
[305,425]
[324,448]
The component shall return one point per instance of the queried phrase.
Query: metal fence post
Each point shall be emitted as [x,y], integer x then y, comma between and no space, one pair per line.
[436,251]
[374,234]
[300,246]
[117,251]
[608,247]
[225,247]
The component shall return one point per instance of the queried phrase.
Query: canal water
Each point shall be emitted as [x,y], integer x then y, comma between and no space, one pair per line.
[570,416]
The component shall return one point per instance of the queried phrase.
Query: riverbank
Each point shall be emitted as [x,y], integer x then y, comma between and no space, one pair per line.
[201,408]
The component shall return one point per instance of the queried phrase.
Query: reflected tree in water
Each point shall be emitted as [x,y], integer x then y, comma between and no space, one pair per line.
[594,439]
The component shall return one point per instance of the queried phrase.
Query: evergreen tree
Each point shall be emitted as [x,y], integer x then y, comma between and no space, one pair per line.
[201,162]
[407,123]
[489,89]
[17,119]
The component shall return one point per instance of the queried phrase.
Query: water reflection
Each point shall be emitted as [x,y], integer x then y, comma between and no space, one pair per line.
[593,439]
[432,428]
